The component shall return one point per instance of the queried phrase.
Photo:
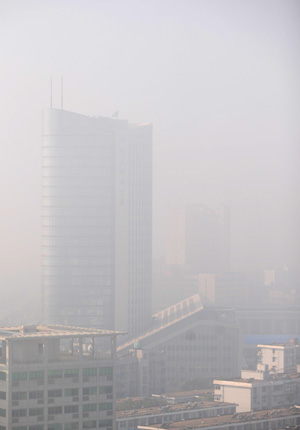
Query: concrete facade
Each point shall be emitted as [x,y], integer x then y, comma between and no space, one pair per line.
[256,395]
[278,358]
[187,343]
[55,378]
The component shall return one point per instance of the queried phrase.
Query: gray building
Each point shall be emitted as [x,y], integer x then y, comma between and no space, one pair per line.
[96,221]
[164,415]
[55,378]
[261,420]
[199,236]
[186,343]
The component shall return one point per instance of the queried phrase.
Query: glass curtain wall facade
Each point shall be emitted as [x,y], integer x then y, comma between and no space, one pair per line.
[85,220]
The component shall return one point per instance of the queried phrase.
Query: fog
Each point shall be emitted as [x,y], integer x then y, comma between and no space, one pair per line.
[219,81]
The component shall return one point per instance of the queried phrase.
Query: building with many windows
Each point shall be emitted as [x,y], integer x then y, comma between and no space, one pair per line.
[187,343]
[96,222]
[56,378]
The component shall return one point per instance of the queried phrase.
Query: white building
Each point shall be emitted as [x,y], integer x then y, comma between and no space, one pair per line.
[55,378]
[255,395]
[280,358]
[96,221]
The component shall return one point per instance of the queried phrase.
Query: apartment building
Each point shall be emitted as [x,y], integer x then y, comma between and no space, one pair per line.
[280,358]
[255,395]
[56,378]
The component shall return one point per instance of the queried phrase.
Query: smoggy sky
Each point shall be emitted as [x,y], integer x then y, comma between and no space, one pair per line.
[219,80]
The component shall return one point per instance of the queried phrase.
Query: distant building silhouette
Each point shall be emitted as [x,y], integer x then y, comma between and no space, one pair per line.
[96,221]
[199,236]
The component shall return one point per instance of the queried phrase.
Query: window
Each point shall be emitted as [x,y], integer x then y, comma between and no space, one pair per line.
[37,427]
[3,395]
[89,407]
[33,412]
[54,374]
[71,392]
[36,374]
[19,376]
[108,389]
[89,424]
[3,376]
[37,394]
[107,406]
[53,410]
[106,423]
[70,373]
[71,426]
[19,395]
[16,413]
[2,412]
[71,409]
[55,393]
[54,426]
[105,370]
[92,371]
[89,391]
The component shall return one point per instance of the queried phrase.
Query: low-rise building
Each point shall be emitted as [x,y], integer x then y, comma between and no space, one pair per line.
[261,420]
[255,395]
[56,378]
[280,358]
[131,419]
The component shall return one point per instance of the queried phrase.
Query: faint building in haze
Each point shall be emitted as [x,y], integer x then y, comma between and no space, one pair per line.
[199,237]
[96,221]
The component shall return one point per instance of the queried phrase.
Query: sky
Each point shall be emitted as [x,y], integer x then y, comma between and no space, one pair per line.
[219,81]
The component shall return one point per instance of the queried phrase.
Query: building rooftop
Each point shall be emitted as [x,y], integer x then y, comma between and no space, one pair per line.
[156,410]
[169,316]
[52,331]
[188,393]
[228,419]
[272,378]
[279,345]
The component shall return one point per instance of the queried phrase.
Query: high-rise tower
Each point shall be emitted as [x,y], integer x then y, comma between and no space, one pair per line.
[96,221]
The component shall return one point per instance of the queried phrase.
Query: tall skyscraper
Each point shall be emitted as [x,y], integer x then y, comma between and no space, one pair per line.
[96,221]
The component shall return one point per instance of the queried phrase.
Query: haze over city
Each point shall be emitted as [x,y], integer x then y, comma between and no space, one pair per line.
[217,79]
[150,234]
